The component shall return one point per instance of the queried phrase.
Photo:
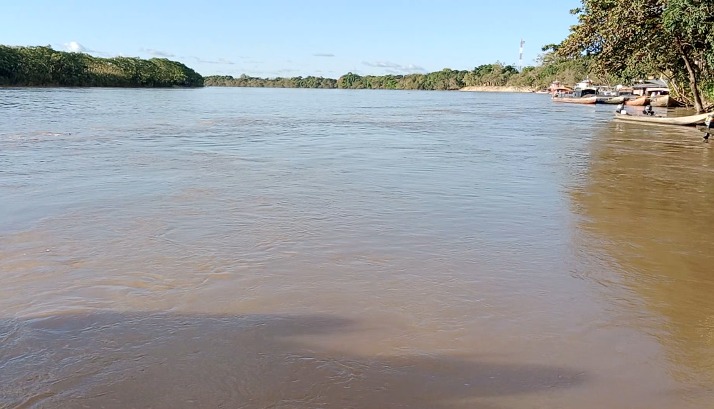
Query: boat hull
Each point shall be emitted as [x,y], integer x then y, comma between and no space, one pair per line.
[576,100]
[610,100]
[681,120]
[661,101]
[638,102]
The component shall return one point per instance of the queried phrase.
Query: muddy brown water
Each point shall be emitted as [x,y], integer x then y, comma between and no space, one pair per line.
[261,248]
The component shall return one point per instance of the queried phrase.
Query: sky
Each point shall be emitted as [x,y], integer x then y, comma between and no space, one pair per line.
[289,38]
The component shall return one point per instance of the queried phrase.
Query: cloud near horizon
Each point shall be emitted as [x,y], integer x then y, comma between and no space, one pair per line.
[74,47]
[218,61]
[157,53]
[323,55]
[394,68]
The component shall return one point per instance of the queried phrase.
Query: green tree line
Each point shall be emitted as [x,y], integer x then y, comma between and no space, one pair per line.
[497,74]
[43,66]
[614,42]
[248,81]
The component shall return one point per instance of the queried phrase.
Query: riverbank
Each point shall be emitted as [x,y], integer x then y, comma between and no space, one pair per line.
[497,89]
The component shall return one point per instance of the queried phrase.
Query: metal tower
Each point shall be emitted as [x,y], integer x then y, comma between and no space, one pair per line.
[520,57]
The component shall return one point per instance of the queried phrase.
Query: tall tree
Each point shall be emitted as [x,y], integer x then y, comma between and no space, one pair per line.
[691,25]
[637,38]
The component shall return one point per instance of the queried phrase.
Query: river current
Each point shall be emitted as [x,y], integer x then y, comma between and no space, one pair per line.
[285,248]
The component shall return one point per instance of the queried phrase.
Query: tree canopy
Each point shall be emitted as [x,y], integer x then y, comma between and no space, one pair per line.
[637,39]
[495,75]
[43,66]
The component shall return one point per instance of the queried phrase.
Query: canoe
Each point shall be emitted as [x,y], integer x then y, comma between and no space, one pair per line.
[610,100]
[639,101]
[675,120]
[574,100]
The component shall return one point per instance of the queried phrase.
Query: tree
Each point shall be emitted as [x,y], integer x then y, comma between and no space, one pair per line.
[349,80]
[43,66]
[691,25]
[640,38]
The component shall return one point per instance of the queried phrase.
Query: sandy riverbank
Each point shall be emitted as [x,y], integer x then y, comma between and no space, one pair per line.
[497,89]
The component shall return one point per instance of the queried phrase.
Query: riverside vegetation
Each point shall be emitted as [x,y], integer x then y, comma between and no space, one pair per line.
[43,66]
[487,75]
[613,42]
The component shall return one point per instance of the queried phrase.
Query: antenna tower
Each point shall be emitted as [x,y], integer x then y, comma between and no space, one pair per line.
[520,56]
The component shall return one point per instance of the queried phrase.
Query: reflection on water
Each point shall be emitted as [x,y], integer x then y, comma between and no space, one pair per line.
[308,248]
[647,205]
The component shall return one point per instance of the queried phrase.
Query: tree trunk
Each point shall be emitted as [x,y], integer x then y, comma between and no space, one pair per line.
[693,83]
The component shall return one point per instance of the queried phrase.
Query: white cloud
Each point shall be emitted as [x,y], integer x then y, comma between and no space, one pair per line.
[218,61]
[157,53]
[74,47]
[323,55]
[394,68]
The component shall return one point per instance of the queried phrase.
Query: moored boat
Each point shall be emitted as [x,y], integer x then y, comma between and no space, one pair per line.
[638,101]
[660,101]
[659,97]
[676,120]
[584,88]
[610,100]
[576,100]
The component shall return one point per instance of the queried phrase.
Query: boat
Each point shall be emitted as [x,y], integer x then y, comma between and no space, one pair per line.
[661,101]
[672,120]
[639,101]
[603,99]
[556,88]
[659,97]
[625,91]
[576,100]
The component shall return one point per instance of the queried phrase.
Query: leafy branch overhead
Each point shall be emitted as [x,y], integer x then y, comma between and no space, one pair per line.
[637,39]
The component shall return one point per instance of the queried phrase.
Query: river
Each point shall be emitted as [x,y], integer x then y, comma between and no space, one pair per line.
[286,248]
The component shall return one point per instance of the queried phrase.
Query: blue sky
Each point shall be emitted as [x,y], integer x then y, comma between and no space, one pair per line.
[273,38]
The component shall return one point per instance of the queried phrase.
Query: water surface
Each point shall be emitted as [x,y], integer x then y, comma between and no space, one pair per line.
[276,248]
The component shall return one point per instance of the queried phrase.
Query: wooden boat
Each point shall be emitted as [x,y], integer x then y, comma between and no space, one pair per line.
[672,120]
[576,100]
[660,101]
[556,88]
[584,88]
[659,97]
[638,101]
[601,99]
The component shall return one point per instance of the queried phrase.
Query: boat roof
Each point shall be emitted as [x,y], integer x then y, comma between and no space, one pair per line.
[651,84]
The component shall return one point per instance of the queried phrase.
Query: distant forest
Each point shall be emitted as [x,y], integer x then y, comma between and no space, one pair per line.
[43,66]
[493,75]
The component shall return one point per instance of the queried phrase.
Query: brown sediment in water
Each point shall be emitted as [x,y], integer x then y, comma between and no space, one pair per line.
[300,249]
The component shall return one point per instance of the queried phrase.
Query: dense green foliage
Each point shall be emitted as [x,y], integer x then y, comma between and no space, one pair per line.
[615,42]
[442,80]
[488,75]
[673,39]
[43,66]
[247,81]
